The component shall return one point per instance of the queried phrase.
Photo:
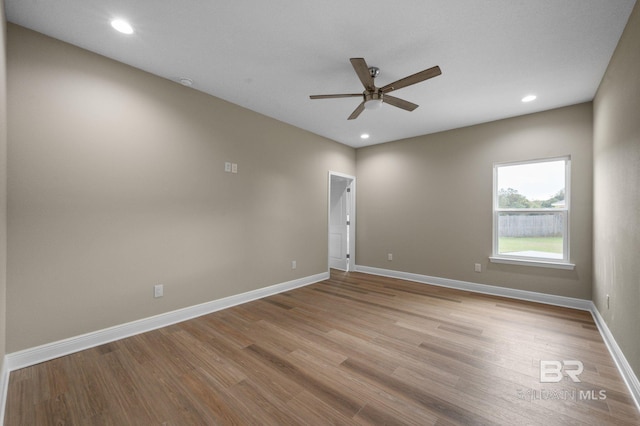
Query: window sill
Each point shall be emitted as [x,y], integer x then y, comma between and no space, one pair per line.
[528,262]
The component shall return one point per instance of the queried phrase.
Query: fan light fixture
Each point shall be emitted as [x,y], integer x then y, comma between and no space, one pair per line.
[373,104]
[373,100]
[122,26]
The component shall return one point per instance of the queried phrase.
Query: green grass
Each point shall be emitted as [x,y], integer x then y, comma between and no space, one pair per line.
[542,244]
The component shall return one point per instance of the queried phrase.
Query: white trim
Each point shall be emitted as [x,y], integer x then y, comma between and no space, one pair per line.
[624,368]
[529,262]
[32,356]
[535,160]
[4,388]
[352,218]
[627,373]
[532,296]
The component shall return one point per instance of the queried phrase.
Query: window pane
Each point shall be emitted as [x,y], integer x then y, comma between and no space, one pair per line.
[531,234]
[532,185]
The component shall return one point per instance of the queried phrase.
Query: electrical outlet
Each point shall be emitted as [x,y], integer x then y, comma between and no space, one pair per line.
[234,168]
[390,256]
[227,167]
[158,290]
[294,264]
[478,267]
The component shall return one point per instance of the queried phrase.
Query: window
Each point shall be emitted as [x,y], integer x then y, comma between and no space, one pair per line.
[531,213]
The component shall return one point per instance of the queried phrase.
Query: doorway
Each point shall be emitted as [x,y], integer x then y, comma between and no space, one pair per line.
[342,221]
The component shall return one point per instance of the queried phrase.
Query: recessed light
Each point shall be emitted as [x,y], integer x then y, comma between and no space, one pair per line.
[364,136]
[123,26]
[185,81]
[529,98]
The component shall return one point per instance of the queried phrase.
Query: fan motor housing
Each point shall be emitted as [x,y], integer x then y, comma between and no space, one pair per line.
[373,96]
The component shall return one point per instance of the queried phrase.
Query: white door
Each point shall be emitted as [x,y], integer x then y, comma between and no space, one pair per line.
[340,222]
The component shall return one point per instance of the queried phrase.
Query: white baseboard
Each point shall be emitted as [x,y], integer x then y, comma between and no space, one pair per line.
[624,368]
[621,362]
[532,296]
[32,356]
[4,387]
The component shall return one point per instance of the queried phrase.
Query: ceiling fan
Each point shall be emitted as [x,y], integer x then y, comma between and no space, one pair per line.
[373,97]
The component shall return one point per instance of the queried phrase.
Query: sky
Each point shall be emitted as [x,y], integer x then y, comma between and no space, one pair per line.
[536,181]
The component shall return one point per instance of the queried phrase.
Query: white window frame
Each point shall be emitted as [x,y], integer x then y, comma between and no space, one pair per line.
[563,263]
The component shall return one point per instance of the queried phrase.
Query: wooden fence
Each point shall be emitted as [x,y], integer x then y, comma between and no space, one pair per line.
[531,225]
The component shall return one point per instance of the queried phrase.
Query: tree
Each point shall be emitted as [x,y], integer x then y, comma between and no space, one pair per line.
[510,199]
[548,204]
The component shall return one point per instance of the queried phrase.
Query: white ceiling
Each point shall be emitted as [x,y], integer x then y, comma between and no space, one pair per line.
[269,56]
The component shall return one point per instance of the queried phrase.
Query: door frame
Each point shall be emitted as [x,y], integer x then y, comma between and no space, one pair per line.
[352,220]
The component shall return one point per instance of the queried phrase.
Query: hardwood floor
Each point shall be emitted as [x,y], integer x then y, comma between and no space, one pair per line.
[355,349]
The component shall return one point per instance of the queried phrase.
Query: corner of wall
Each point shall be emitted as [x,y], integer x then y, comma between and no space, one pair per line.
[4,375]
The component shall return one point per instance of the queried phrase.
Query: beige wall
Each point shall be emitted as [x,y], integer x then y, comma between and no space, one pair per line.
[428,200]
[3,185]
[617,193]
[116,182]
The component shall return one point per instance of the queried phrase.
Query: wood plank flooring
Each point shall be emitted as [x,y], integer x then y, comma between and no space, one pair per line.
[355,349]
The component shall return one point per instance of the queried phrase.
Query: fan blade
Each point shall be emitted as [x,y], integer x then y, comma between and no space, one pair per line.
[412,79]
[362,69]
[357,112]
[344,95]
[400,103]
